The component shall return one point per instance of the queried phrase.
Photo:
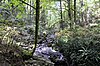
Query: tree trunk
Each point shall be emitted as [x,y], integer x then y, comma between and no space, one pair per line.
[75,11]
[99,4]
[30,10]
[69,13]
[61,23]
[37,24]
[82,14]
[69,10]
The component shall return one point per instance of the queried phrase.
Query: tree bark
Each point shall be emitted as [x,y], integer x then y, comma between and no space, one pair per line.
[75,11]
[69,10]
[69,14]
[82,14]
[30,10]
[37,24]
[61,23]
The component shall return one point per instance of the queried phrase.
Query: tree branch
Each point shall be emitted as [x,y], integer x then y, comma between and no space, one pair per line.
[27,4]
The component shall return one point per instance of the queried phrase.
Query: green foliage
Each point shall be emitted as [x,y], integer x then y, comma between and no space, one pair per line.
[27,52]
[82,47]
[7,33]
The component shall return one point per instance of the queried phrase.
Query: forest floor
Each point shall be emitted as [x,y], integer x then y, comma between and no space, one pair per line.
[11,56]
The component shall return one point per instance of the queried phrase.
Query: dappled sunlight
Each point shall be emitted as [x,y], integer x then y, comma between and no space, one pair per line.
[49,33]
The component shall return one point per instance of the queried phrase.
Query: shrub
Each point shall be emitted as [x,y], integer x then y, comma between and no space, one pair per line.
[82,47]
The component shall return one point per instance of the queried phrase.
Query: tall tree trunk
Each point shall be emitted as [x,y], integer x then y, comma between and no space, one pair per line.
[99,3]
[30,10]
[69,10]
[85,18]
[69,13]
[61,23]
[82,13]
[75,11]
[37,24]
[27,10]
